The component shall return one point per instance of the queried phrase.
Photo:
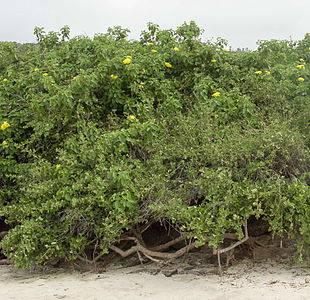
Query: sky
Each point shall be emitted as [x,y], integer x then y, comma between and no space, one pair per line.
[241,22]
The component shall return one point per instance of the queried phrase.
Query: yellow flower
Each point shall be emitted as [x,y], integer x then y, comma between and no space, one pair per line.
[267,72]
[300,66]
[301,79]
[113,76]
[151,44]
[213,60]
[176,49]
[5,144]
[127,61]
[216,94]
[35,69]
[58,166]
[131,117]
[168,65]
[5,80]
[258,72]
[153,50]
[4,125]
[301,60]
[45,74]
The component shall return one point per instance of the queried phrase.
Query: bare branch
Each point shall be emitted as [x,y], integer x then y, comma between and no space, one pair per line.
[152,253]
[246,237]
[168,244]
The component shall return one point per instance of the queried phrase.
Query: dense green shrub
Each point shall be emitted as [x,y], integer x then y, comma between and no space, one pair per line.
[107,133]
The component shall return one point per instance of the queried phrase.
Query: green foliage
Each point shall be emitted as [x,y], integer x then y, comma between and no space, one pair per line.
[106,133]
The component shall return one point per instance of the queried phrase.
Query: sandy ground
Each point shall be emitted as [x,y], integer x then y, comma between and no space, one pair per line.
[245,280]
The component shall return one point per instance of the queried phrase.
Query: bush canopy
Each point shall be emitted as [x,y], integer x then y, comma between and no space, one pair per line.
[102,135]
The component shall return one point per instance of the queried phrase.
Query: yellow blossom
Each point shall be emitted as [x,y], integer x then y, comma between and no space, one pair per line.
[131,117]
[151,44]
[153,50]
[58,166]
[300,66]
[301,79]
[45,74]
[258,72]
[168,65]
[5,80]
[35,69]
[267,72]
[5,144]
[216,94]
[4,125]
[127,61]
[213,60]
[113,76]
[176,49]
[301,60]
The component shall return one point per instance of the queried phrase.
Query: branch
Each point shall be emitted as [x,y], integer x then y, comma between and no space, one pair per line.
[168,244]
[152,253]
[5,262]
[246,237]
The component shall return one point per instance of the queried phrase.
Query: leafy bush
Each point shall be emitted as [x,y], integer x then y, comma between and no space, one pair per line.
[105,134]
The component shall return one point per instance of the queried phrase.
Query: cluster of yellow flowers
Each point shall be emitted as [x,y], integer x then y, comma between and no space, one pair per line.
[58,166]
[300,66]
[261,72]
[113,76]
[213,60]
[216,94]
[176,49]
[4,125]
[45,74]
[301,79]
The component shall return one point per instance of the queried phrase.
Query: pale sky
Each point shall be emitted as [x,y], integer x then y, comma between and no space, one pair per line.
[241,22]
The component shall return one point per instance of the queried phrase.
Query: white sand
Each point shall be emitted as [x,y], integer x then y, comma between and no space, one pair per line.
[242,281]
